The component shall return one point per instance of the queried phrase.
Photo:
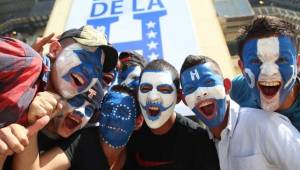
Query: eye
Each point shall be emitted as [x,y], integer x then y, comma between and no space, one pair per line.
[255,61]
[166,89]
[145,88]
[282,60]
[209,82]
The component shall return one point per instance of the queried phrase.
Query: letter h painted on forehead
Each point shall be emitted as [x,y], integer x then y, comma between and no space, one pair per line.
[194,74]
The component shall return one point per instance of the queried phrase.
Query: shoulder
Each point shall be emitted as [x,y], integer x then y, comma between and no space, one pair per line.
[189,126]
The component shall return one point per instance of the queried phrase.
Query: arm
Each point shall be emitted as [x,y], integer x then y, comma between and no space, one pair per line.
[31,159]
[280,142]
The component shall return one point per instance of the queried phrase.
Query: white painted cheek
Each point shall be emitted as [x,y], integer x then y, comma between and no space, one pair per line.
[142,97]
[217,92]
[191,100]
[135,73]
[251,77]
[168,99]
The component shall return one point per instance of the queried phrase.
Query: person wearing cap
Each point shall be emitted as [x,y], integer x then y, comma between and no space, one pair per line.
[93,147]
[130,67]
[79,58]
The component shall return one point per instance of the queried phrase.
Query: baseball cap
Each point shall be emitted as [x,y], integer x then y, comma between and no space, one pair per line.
[87,35]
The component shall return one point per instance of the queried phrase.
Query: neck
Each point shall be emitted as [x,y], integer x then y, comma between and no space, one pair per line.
[290,99]
[166,126]
[216,131]
[115,157]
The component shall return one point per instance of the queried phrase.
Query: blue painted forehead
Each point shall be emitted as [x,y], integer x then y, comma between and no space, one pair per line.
[198,71]
[286,46]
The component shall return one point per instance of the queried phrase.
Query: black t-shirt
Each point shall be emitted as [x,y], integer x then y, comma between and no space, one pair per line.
[82,148]
[185,147]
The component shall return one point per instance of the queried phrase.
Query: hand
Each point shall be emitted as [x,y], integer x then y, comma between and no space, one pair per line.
[44,103]
[41,42]
[14,138]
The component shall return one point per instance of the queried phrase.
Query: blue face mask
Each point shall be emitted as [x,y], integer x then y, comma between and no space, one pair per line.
[205,94]
[130,77]
[76,70]
[270,68]
[117,120]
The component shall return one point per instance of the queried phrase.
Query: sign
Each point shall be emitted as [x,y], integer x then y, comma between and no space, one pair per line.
[157,29]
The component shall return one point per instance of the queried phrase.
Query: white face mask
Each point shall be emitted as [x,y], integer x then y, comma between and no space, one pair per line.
[157,97]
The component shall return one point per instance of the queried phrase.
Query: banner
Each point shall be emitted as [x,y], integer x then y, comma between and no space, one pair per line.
[157,29]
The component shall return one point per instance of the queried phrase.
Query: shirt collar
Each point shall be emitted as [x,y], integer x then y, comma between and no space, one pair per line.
[232,120]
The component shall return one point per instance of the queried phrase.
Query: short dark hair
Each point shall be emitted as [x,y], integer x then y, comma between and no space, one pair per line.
[266,26]
[192,60]
[132,58]
[162,65]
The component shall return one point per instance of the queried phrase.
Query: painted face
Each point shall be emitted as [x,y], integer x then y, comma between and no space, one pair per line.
[76,70]
[130,77]
[117,119]
[78,110]
[270,67]
[157,97]
[205,94]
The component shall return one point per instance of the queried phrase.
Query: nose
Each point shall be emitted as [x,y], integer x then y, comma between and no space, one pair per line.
[200,94]
[153,96]
[269,69]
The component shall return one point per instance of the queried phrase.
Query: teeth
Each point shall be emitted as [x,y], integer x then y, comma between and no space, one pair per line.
[205,103]
[79,78]
[265,83]
[154,108]
[77,121]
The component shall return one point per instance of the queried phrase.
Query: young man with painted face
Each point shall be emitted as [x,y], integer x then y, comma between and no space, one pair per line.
[79,58]
[69,140]
[131,66]
[269,60]
[245,138]
[120,115]
[167,140]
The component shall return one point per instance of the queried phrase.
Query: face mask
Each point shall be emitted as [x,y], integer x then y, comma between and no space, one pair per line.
[130,77]
[117,120]
[205,94]
[76,70]
[270,69]
[157,97]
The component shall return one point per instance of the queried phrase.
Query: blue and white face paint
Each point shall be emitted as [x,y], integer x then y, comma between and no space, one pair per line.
[270,68]
[78,110]
[157,97]
[130,77]
[205,94]
[77,69]
[117,119]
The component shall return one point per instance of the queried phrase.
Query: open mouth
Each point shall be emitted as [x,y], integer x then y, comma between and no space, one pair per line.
[207,108]
[153,110]
[72,122]
[78,80]
[107,78]
[269,89]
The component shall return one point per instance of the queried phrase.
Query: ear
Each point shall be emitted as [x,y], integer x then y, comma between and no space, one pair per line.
[55,48]
[298,62]
[227,85]
[241,65]
[139,122]
[183,99]
[179,96]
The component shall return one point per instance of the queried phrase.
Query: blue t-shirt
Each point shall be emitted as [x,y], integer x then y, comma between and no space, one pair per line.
[241,93]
